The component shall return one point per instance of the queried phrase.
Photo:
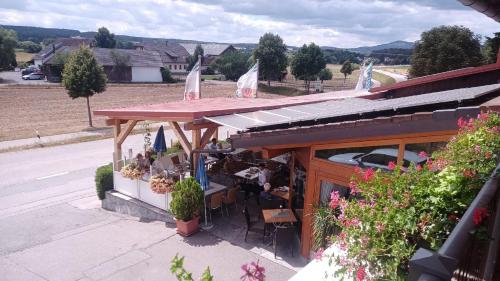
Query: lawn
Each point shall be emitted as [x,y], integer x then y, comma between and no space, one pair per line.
[22,56]
[382,78]
[51,111]
[280,90]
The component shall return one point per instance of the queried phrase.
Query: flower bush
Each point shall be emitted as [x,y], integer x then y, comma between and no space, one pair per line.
[160,184]
[132,171]
[391,214]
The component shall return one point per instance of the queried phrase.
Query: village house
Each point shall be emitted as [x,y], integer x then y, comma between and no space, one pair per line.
[49,50]
[211,51]
[174,57]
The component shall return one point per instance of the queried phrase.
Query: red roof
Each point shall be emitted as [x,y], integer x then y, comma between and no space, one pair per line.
[438,77]
[191,110]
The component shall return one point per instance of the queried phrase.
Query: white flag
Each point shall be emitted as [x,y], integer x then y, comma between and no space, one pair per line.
[247,84]
[192,90]
[361,79]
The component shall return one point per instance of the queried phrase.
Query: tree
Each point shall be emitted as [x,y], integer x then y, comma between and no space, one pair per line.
[8,42]
[232,64]
[346,69]
[198,51]
[83,76]
[325,74]
[58,62]
[29,46]
[166,76]
[307,63]
[271,53]
[105,39]
[121,64]
[445,48]
[491,46]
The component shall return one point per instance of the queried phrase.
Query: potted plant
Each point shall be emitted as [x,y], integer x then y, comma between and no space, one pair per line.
[132,171]
[187,199]
[160,184]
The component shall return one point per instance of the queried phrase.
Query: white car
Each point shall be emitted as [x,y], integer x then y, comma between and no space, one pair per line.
[378,158]
[33,76]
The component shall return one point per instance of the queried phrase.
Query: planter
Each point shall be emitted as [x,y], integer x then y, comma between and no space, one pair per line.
[124,185]
[149,196]
[187,228]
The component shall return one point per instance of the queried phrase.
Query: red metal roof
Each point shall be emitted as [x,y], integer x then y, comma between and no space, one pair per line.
[196,109]
[438,77]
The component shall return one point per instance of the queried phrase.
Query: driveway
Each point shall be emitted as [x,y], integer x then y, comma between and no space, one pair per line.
[52,226]
[14,77]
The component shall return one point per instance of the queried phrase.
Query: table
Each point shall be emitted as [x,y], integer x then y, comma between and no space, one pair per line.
[283,158]
[285,195]
[214,188]
[243,174]
[278,216]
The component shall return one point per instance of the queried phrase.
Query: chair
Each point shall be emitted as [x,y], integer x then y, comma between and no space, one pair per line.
[286,231]
[215,203]
[230,198]
[175,159]
[249,224]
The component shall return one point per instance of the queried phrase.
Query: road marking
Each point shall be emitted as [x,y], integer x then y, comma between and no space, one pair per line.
[54,175]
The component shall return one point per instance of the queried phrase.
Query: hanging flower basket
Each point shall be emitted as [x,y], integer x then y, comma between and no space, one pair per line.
[161,184]
[132,171]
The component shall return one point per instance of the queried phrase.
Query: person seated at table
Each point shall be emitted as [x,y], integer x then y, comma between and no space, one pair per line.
[148,157]
[266,193]
[213,145]
[142,162]
[256,188]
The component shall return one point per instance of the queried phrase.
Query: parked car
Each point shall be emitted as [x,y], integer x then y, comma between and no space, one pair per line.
[34,76]
[28,70]
[378,158]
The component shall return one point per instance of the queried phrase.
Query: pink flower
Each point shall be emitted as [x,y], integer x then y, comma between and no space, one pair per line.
[479,215]
[379,226]
[369,174]
[461,122]
[253,272]
[343,246]
[422,154]
[353,186]
[477,148]
[334,199]
[418,167]
[392,165]
[319,254]
[360,274]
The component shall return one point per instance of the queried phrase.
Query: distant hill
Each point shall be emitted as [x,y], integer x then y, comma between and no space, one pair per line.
[393,45]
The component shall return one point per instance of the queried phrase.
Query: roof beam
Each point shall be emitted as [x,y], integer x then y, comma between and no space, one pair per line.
[180,136]
[123,135]
[189,126]
[207,135]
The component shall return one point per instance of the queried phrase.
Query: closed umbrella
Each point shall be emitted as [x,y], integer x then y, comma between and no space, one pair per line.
[160,146]
[202,179]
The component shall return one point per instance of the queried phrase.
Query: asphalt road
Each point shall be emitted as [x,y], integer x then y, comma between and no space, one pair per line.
[14,77]
[52,226]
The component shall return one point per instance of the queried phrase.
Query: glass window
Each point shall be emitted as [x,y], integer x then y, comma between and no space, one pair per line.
[170,66]
[413,150]
[377,157]
[184,67]
[328,187]
[175,66]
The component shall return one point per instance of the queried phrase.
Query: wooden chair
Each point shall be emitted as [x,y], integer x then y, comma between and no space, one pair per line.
[230,198]
[215,203]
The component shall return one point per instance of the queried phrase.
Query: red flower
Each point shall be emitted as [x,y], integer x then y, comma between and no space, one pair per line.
[369,174]
[392,165]
[422,154]
[479,215]
[487,155]
[452,218]
[461,122]
[418,167]
[360,274]
[469,173]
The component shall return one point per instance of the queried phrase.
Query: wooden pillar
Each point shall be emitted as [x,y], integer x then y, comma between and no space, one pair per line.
[117,154]
[196,142]
[216,134]
[306,237]
[291,191]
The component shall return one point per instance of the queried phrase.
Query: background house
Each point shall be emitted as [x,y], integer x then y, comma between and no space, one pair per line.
[49,50]
[173,55]
[211,51]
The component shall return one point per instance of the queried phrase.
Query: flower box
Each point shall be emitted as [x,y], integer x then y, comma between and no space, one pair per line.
[124,185]
[147,195]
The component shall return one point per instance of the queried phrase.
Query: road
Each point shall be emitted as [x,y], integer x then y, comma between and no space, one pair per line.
[52,226]
[14,77]
[397,77]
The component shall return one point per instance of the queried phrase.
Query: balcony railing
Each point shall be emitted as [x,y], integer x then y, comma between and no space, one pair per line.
[462,256]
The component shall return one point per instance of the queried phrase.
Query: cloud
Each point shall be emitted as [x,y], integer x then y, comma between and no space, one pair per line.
[341,23]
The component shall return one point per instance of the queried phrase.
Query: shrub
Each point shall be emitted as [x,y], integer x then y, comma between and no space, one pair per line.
[103,180]
[395,213]
[187,199]
[166,76]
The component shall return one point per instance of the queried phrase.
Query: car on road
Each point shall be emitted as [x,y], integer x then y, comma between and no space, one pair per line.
[378,158]
[34,76]
[28,70]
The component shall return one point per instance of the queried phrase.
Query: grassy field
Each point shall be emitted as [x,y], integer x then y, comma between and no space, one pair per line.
[51,111]
[382,78]
[280,90]
[22,56]
[398,69]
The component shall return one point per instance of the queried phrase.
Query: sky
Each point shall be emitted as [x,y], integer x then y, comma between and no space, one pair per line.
[339,23]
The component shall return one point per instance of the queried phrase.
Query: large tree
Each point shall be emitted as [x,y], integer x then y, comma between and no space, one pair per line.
[232,64]
[346,69]
[8,42]
[104,38]
[307,63]
[325,74]
[271,53]
[29,46]
[198,51]
[445,48]
[83,76]
[491,46]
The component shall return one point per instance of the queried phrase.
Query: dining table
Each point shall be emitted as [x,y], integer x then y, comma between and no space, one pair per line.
[277,216]
[251,173]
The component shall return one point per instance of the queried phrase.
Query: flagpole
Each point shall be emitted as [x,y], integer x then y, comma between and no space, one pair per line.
[199,75]
[257,89]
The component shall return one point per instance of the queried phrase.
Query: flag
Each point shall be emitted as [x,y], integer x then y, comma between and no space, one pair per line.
[247,84]
[192,90]
[368,74]
[361,82]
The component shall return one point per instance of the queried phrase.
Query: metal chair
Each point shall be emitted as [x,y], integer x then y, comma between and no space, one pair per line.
[249,224]
[230,198]
[284,230]
[215,203]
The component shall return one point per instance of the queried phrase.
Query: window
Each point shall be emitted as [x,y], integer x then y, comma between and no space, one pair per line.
[170,66]
[175,66]
[377,157]
[326,189]
[412,152]
[184,67]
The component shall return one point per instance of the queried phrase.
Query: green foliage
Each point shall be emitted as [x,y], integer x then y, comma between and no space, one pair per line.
[104,180]
[58,62]
[346,69]
[120,44]
[187,199]
[271,53]
[339,56]
[83,76]
[307,63]
[324,226]
[29,47]
[166,76]
[393,56]
[8,43]
[39,34]
[445,48]
[391,214]
[232,64]
[105,39]
[491,46]
[198,51]
[177,268]
[325,74]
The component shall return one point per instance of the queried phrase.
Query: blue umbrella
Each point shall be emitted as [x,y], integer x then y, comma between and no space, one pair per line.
[159,145]
[202,179]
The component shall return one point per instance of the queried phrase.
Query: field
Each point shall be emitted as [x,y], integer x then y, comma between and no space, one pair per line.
[48,109]
[23,56]
[398,69]
[337,83]
[382,78]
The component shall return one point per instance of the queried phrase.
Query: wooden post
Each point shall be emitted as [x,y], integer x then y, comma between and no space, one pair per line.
[117,155]
[196,141]
[291,191]
[216,134]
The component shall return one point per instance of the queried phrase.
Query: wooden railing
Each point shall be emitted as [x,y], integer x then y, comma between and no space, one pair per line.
[462,256]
